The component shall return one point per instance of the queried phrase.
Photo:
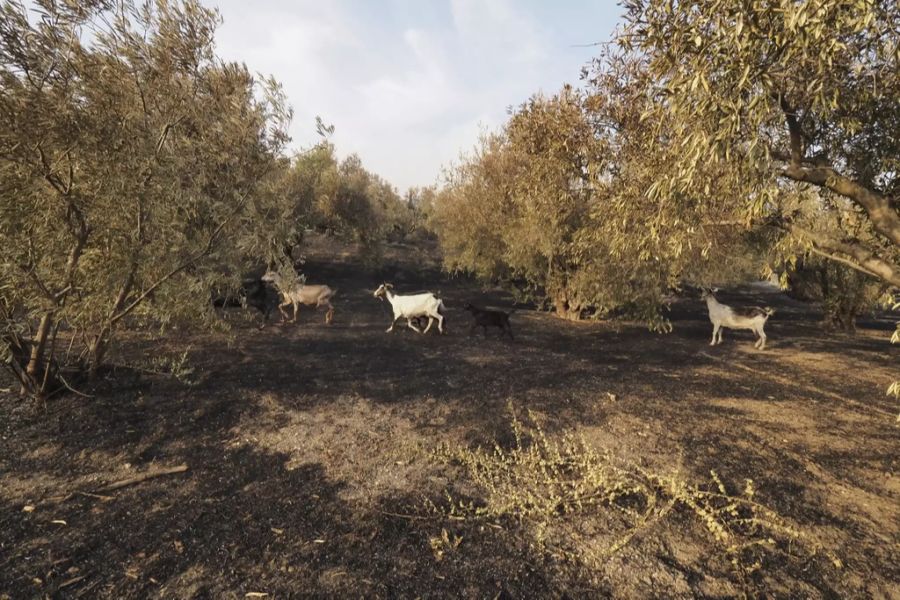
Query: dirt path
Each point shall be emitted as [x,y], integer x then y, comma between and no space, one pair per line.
[309,446]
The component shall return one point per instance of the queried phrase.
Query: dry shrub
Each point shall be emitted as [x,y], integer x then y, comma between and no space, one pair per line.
[546,484]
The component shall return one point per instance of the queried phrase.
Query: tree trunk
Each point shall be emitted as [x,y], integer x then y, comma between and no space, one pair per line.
[564,308]
[18,362]
[97,351]
[840,318]
[36,362]
[100,343]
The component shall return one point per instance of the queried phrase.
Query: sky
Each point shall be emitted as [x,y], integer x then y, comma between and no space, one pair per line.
[410,84]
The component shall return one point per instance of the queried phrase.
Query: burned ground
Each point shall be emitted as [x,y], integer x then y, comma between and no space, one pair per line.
[310,459]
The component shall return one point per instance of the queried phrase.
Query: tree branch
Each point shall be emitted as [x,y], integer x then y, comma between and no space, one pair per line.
[794,130]
[210,244]
[883,215]
[879,208]
[844,261]
[860,257]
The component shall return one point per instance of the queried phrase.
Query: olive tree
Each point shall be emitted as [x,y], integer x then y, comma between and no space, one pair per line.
[844,293]
[466,213]
[556,202]
[788,96]
[784,95]
[513,210]
[660,242]
[309,185]
[134,166]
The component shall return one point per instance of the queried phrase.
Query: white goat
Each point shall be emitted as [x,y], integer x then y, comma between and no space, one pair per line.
[417,305]
[722,316]
[318,295]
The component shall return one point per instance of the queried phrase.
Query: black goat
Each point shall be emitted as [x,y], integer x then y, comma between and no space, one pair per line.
[254,292]
[485,318]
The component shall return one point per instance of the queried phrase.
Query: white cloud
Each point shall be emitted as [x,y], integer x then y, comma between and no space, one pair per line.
[497,26]
[416,96]
[407,85]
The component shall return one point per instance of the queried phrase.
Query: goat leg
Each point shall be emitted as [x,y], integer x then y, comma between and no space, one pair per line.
[391,328]
[329,316]
[283,312]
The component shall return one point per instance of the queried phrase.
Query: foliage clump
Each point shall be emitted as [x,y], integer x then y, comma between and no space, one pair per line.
[791,105]
[555,205]
[139,173]
[513,211]
[545,483]
[134,164]
[843,293]
[343,199]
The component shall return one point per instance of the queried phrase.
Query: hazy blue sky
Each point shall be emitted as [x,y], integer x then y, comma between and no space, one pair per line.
[409,84]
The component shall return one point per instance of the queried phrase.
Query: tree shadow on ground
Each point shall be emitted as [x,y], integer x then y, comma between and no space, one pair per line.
[238,522]
[247,518]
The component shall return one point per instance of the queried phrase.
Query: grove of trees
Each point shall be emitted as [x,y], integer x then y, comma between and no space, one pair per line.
[138,171]
[713,140]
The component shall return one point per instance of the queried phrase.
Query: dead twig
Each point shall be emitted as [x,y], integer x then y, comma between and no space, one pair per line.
[143,477]
[71,389]
[402,516]
[97,496]
[114,486]
[72,581]
[84,591]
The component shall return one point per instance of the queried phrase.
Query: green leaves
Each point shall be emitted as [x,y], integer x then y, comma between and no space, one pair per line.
[750,69]
[134,169]
[515,208]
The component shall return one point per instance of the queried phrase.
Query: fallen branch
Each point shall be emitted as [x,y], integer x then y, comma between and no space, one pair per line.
[114,486]
[71,389]
[143,477]
[97,496]
[402,516]
[72,581]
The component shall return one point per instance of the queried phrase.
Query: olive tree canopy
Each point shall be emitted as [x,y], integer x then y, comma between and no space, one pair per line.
[783,96]
[134,168]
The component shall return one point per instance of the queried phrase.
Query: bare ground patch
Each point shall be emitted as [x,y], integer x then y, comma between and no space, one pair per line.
[311,456]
